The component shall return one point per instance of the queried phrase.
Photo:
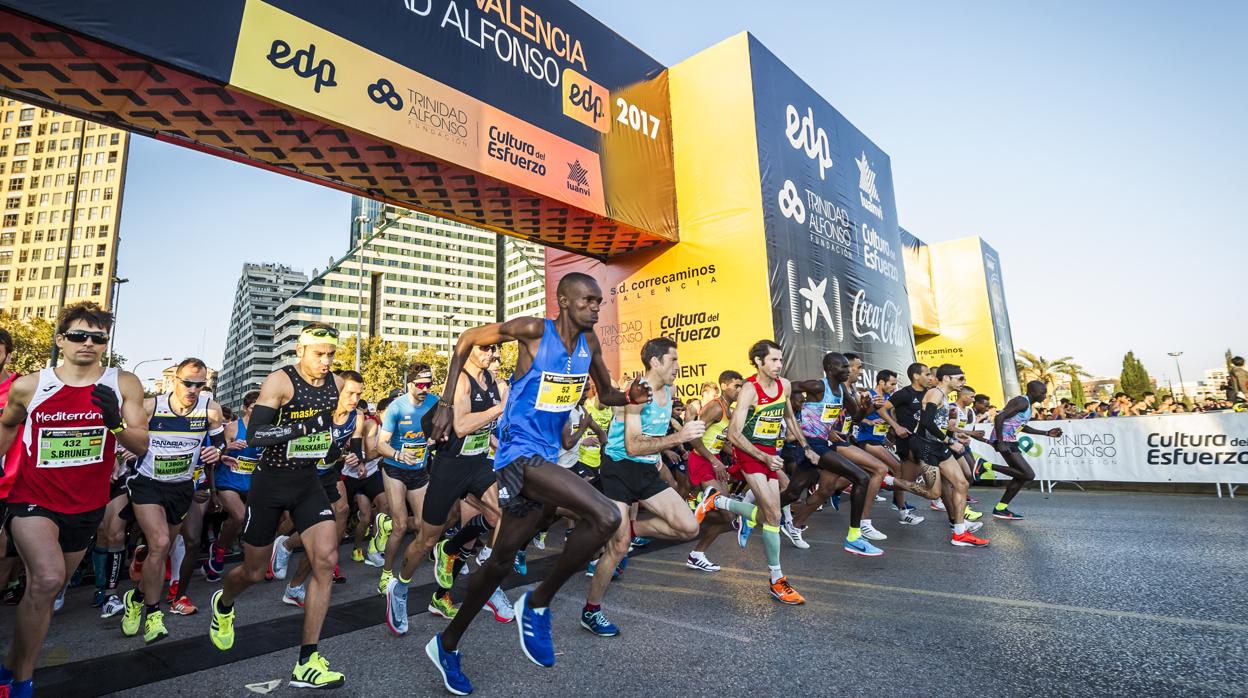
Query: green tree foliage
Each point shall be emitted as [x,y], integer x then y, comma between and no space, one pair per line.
[383,365]
[32,342]
[1133,380]
[1076,390]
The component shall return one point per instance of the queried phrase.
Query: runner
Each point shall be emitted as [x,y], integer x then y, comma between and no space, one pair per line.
[461,468]
[961,419]
[71,419]
[1010,421]
[292,420]
[756,431]
[404,450]
[871,433]
[162,488]
[347,451]
[233,482]
[707,471]
[630,475]
[368,493]
[9,473]
[827,414]
[931,445]
[555,357]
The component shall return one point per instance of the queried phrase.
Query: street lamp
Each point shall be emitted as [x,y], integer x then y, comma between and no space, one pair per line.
[112,337]
[359,301]
[1176,355]
[135,370]
[450,338]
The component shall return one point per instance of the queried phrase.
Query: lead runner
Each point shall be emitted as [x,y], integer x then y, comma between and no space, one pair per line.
[555,359]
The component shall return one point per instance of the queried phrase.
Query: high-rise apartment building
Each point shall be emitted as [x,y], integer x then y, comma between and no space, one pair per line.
[423,280]
[57,174]
[250,345]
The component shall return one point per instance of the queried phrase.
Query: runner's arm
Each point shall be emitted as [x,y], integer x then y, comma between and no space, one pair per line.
[133,437]
[736,426]
[811,390]
[637,443]
[14,414]
[523,330]
[697,444]
[638,392]
[264,429]
[790,417]
[888,411]
[927,417]
[1013,407]
[467,421]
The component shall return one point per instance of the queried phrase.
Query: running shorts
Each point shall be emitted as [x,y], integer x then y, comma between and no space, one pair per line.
[510,479]
[174,497]
[329,481]
[450,479]
[411,479]
[930,452]
[275,491]
[629,481]
[743,463]
[370,486]
[74,531]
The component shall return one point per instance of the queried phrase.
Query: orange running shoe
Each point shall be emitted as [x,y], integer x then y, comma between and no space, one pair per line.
[136,564]
[183,607]
[784,593]
[707,505]
[967,539]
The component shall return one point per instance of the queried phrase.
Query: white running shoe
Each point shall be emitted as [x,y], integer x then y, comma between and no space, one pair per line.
[936,505]
[279,559]
[294,595]
[484,555]
[794,536]
[60,601]
[504,612]
[974,526]
[909,518]
[701,563]
[374,558]
[112,607]
[870,533]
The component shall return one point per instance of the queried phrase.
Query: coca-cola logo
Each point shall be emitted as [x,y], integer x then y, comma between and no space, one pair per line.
[882,323]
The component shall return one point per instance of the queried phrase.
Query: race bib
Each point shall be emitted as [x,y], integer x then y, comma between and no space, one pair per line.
[768,427]
[70,447]
[880,429]
[476,443]
[560,392]
[830,413]
[416,451]
[310,446]
[846,426]
[718,444]
[171,467]
[244,465]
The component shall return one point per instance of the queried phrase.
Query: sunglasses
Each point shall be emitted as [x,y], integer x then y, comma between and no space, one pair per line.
[79,337]
[423,383]
[321,332]
[489,348]
[193,384]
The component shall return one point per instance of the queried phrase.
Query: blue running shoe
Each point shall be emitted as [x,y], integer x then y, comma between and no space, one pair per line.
[396,607]
[521,565]
[596,622]
[862,547]
[743,533]
[619,569]
[593,567]
[448,666]
[640,542]
[534,627]
[835,501]
[101,595]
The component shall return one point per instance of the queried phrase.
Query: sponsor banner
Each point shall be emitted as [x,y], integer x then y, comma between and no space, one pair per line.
[968,335]
[834,253]
[1205,447]
[534,93]
[709,292]
[1000,320]
[918,277]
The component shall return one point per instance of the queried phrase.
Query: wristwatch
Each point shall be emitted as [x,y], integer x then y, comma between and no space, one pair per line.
[120,428]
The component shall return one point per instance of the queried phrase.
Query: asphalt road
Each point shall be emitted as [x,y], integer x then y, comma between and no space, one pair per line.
[1094,594]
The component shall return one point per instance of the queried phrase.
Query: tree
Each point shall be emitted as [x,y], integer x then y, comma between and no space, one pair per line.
[32,342]
[1076,390]
[1133,380]
[383,365]
[1032,367]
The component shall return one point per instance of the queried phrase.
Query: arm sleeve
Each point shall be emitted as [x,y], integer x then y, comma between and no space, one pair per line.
[927,423]
[357,447]
[265,433]
[216,438]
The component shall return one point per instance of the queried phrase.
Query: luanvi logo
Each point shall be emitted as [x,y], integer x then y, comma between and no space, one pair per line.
[578,178]
[868,194]
[804,136]
[303,63]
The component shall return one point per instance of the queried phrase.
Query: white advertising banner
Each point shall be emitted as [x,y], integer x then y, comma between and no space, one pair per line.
[1203,447]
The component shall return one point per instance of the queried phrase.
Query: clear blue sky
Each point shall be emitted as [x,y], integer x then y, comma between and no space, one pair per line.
[1099,147]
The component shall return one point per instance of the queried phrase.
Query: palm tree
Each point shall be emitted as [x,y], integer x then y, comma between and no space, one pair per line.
[1032,367]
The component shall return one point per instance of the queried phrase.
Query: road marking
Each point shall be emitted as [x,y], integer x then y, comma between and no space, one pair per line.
[623,611]
[975,598]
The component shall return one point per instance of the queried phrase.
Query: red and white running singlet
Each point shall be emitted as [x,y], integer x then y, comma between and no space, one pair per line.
[69,454]
[13,459]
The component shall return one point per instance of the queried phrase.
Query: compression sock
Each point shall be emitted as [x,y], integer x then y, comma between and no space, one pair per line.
[786,514]
[771,545]
[854,534]
[306,651]
[99,564]
[749,512]
[463,541]
[749,497]
[775,572]
[175,559]
[116,558]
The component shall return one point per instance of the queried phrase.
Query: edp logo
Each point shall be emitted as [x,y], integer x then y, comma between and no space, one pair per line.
[303,63]
[802,135]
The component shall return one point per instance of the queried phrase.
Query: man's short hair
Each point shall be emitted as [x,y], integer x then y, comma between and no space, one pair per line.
[565,284]
[761,349]
[982,397]
[7,340]
[416,369]
[192,362]
[948,370]
[89,312]
[885,376]
[351,376]
[1237,361]
[915,369]
[730,376]
[655,348]
[250,398]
